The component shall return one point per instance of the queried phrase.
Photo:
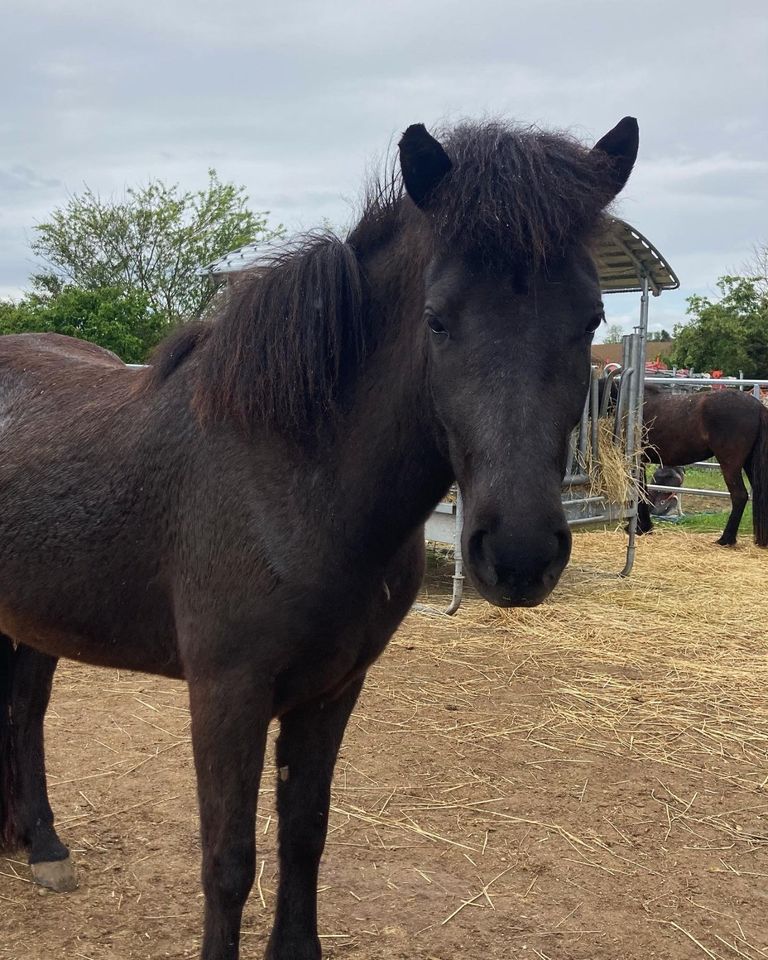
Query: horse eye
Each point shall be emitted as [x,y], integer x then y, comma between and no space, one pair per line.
[435,326]
[595,322]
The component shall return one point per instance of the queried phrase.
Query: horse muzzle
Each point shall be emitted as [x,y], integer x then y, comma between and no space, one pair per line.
[514,568]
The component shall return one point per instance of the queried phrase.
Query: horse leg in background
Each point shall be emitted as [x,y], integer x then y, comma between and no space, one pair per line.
[230,715]
[310,737]
[739,499]
[26,812]
[644,522]
[756,468]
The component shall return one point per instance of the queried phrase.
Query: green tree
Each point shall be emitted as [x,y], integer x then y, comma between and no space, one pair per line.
[18,317]
[123,322]
[613,334]
[729,334]
[757,267]
[154,241]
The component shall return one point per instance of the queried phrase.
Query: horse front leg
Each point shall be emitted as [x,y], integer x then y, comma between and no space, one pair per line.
[31,677]
[309,742]
[230,712]
[739,499]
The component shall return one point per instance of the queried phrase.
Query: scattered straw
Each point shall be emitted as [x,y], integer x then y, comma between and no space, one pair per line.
[669,666]
[690,936]
[604,757]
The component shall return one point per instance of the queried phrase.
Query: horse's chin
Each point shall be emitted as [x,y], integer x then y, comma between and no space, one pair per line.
[512,595]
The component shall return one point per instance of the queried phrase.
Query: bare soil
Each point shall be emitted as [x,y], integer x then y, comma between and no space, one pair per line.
[508,787]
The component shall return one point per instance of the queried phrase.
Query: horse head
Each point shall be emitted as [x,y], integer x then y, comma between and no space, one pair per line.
[511,303]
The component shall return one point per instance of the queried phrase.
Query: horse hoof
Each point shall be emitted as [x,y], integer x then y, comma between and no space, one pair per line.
[57,875]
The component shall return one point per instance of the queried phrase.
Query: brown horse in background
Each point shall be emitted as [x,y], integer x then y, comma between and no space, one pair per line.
[727,424]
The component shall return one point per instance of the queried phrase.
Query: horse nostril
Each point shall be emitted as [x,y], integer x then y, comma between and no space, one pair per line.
[481,558]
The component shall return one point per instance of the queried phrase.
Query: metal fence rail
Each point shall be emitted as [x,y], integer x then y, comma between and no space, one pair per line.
[693,491]
[712,383]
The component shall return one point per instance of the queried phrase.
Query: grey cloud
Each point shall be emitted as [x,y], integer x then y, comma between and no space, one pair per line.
[298,100]
[21,179]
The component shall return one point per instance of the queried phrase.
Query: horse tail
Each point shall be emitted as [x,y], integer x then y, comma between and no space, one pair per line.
[758,477]
[10,838]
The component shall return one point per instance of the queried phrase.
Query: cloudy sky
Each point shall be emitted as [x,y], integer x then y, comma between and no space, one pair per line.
[296,100]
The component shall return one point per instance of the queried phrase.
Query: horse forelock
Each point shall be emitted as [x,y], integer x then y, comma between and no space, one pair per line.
[517,197]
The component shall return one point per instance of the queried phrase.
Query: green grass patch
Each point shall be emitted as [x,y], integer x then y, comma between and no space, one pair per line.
[704,515]
[712,522]
[706,479]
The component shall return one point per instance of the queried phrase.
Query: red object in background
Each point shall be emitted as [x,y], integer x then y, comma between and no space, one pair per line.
[716,374]
[655,366]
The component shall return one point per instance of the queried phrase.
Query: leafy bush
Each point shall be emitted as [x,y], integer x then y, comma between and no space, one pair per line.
[123,322]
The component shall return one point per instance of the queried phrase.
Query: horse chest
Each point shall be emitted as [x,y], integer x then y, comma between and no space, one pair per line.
[345,653]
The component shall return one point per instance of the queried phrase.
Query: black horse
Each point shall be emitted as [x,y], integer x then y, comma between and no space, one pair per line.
[727,424]
[248,514]
[661,501]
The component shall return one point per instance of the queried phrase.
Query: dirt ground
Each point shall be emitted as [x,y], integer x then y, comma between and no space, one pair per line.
[584,780]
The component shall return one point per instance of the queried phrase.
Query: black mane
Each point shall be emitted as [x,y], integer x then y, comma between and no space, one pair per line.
[289,341]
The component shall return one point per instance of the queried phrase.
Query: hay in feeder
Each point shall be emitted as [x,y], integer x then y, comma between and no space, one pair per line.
[609,471]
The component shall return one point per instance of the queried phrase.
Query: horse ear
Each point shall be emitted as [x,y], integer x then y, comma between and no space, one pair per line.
[620,146]
[423,162]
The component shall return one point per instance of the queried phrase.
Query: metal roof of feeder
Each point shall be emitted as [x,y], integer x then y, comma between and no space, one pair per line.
[624,257]
[247,257]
